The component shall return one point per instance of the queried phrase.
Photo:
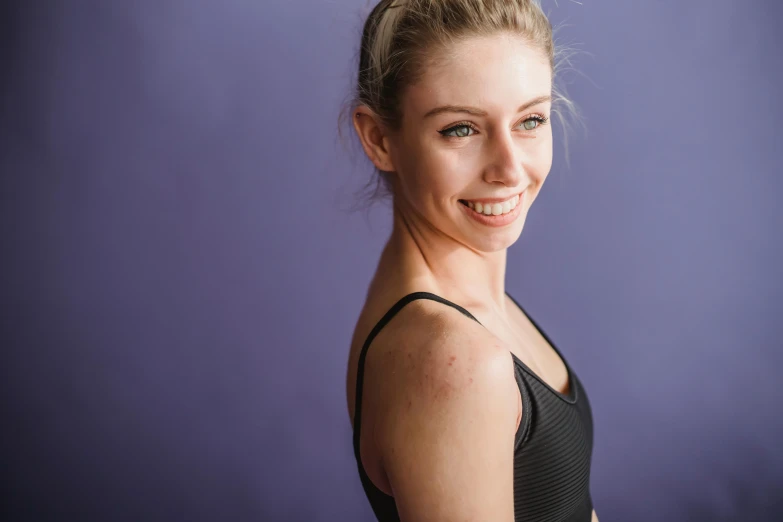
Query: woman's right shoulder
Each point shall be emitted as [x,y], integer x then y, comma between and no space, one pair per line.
[429,349]
[445,438]
[421,331]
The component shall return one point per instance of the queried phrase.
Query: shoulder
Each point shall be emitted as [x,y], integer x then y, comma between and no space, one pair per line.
[448,372]
[429,343]
[445,349]
[446,438]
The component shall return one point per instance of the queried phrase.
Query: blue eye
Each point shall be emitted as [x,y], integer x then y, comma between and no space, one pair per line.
[458,131]
[534,122]
[463,130]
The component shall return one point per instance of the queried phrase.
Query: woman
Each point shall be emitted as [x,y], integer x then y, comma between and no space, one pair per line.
[462,408]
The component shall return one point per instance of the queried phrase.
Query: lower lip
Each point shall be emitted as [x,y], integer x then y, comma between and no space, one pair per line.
[495,221]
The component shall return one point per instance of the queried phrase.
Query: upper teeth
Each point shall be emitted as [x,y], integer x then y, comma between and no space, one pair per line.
[495,209]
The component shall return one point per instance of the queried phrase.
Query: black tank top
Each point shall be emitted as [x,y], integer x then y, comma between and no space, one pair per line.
[553,444]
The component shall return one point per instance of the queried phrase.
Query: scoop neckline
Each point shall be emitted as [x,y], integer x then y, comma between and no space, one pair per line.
[572,395]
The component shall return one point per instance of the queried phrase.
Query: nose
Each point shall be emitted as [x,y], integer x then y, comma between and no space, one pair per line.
[505,162]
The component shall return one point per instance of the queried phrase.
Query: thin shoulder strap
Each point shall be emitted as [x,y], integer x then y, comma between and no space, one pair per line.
[357,416]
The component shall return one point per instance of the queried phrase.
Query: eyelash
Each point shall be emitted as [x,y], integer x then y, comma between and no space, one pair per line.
[542,120]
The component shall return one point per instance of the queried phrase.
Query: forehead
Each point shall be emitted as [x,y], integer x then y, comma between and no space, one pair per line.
[497,72]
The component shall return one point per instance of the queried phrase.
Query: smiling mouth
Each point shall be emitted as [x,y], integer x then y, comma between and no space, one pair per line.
[493,209]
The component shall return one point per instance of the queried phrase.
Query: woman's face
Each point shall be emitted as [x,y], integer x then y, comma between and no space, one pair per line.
[475,129]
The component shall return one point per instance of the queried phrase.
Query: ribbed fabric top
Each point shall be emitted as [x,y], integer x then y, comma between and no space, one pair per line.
[553,444]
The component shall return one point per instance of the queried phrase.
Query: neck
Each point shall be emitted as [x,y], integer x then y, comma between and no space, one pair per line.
[428,258]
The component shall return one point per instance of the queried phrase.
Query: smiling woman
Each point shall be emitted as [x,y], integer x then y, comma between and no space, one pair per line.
[460,411]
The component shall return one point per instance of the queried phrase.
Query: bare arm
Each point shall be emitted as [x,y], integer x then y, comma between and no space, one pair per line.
[447,441]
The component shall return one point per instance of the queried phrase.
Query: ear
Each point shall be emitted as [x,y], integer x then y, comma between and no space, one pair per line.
[373,136]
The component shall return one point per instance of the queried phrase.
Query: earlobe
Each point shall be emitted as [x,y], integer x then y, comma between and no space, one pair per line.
[373,138]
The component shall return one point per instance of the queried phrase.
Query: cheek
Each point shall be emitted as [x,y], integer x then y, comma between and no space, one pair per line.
[437,173]
[541,161]
[453,169]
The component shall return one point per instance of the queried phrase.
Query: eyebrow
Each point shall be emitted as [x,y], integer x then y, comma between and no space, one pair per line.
[478,112]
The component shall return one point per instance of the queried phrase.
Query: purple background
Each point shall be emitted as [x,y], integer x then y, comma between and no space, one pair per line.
[180,280]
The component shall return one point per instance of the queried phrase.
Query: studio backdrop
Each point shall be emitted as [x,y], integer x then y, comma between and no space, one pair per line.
[181,273]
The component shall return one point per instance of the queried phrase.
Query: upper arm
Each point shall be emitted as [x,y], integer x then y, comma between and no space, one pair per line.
[448,438]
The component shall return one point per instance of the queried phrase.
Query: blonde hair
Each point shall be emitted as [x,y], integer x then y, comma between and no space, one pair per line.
[400,38]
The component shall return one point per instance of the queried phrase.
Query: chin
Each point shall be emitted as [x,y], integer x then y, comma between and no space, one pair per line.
[498,240]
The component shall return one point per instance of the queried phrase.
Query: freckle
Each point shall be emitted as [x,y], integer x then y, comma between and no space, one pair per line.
[471,379]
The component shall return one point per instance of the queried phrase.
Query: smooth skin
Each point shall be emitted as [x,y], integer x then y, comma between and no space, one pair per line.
[440,402]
